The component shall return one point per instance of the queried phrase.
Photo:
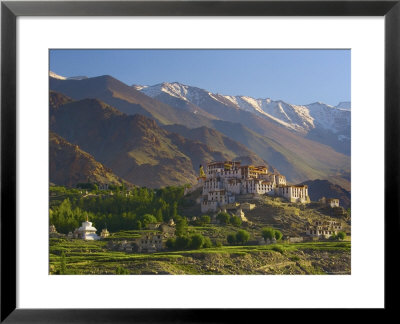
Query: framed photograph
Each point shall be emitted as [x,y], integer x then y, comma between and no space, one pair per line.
[180,156]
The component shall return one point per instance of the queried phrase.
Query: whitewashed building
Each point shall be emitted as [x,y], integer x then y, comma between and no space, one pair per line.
[294,193]
[86,231]
[323,229]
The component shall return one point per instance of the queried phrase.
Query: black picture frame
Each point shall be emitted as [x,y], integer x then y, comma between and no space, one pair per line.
[10,10]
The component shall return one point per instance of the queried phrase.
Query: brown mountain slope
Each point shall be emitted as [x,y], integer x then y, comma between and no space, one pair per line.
[127,100]
[57,99]
[69,165]
[130,145]
[135,147]
[216,141]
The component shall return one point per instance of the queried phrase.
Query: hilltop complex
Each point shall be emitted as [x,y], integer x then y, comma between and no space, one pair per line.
[223,181]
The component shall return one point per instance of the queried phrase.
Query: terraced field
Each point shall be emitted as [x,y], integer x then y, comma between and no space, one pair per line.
[93,257]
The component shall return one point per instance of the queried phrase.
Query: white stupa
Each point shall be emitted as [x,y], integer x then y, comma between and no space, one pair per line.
[87,231]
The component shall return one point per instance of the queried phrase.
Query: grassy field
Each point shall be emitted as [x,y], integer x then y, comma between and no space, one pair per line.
[93,257]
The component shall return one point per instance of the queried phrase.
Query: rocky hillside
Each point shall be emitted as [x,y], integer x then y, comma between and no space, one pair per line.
[69,165]
[135,147]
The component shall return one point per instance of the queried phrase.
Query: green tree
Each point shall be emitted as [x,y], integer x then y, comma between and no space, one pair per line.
[223,218]
[236,220]
[278,234]
[148,219]
[205,219]
[159,215]
[181,226]
[196,241]
[341,235]
[182,242]
[268,233]
[333,237]
[231,238]
[138,225]
[174,210]
[63,264]
[170,243]
[242,236]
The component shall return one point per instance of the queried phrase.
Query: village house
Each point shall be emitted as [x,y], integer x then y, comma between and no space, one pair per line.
[150,242]
[223,181]
[331,202]
[248,206]
[103,186]
[323,229]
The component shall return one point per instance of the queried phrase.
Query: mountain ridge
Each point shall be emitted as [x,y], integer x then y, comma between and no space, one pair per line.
[300,157]
[316,117]
[135,147]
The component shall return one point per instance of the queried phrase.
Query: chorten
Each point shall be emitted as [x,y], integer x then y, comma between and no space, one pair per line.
[87,231]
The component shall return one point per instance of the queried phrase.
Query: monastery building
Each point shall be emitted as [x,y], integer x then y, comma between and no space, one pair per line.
[223,181]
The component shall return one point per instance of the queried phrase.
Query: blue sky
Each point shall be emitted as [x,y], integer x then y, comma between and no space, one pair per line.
[294,76]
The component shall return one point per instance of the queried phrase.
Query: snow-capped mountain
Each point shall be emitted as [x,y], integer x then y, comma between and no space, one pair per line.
[330,118]
[299,118]
[344,105]
[56,76]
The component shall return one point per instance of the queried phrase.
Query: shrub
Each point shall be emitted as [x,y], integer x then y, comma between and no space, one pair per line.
[207,242]
[279,249]
[242,236]
[223,218]
[121,271]
[217,243]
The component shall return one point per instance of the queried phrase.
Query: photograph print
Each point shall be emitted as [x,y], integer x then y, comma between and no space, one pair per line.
[199,162]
